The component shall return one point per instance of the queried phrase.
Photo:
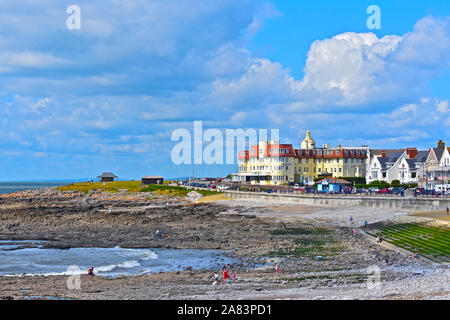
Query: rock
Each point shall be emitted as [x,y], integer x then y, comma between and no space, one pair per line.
[194,195]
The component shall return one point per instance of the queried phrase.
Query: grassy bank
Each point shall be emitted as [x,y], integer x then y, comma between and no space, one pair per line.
[430,242]
[131,186]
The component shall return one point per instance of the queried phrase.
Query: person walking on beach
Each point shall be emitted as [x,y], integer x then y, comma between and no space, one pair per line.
[355,232]
[91,272]
[225,275]
[277,268]
[447,211]
[216,280]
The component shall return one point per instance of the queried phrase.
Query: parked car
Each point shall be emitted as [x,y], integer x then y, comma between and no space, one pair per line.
[223,187]
[384,191]
[212,186]
[419,190]
[397,190]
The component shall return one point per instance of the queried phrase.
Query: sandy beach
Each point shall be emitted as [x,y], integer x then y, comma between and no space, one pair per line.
[257,233]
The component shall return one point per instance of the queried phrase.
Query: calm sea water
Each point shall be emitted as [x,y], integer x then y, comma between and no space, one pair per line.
[109,262]
[8,187]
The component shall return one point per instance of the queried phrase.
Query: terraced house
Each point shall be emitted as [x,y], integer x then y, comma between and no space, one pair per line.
[403,165]
[272,163]
[435,174]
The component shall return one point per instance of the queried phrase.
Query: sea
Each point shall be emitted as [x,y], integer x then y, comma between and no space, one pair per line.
[8,187]
[29,258]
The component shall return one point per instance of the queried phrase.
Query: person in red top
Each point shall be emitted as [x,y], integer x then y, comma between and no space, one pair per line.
[225,275]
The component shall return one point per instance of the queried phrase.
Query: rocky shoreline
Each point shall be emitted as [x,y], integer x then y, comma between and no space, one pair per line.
[313,253]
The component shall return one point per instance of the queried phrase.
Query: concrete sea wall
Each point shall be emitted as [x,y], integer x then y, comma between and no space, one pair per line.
[406,203]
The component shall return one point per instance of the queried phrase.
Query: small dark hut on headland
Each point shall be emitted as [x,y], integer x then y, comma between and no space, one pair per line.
[107,177]
[152,180]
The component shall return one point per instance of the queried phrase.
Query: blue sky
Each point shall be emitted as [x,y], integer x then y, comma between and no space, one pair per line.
[107,97]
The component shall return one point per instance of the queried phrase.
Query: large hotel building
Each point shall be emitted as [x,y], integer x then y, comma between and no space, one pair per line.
[272,163]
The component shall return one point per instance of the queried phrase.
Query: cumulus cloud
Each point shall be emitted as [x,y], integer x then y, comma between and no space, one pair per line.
[352,71]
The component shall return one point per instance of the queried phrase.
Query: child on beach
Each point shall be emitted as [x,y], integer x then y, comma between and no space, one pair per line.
[225,275]
[91,272]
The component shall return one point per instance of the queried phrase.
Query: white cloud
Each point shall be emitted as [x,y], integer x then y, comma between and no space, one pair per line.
[442,106]
[39,154]
[12,60]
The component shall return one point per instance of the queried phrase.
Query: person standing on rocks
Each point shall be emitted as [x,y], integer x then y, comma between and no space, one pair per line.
[216,279]
[225,275]
[91,272]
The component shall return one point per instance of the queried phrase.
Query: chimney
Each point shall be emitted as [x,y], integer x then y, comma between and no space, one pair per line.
[441,144]
[411,152]
[383,154]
